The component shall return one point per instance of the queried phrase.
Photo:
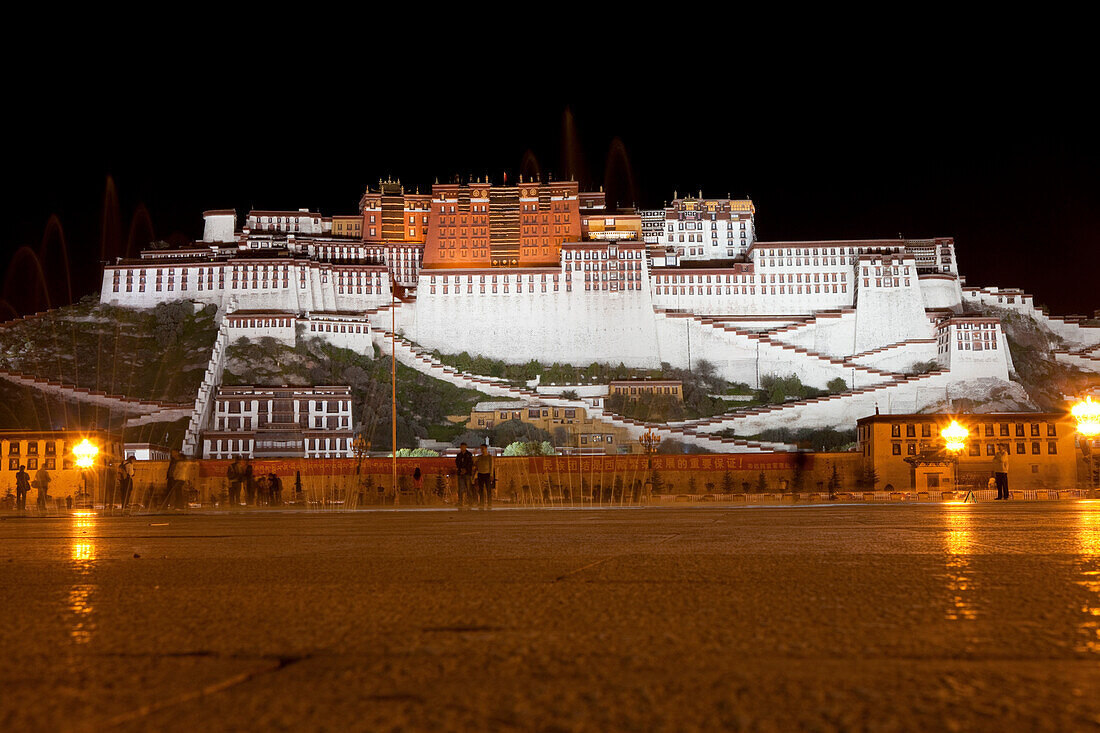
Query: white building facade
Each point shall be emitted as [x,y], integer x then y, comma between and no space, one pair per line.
[268,422]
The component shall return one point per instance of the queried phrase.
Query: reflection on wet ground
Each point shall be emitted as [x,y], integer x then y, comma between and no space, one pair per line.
[959,545]
[1088,560]
[977,616]
[79,596]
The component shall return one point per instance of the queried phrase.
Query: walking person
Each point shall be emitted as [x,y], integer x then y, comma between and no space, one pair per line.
[1000,472]
[42,483]
[484,465]
[126,481]
[175,498]
[464,469]
[22,488]
[418,486]
[173,459]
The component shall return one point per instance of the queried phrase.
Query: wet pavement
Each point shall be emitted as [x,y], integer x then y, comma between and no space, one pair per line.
[904,617]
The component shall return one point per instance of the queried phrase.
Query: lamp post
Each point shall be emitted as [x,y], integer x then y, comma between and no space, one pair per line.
[954,437]
[649,440]
[1087,415]
[85,453]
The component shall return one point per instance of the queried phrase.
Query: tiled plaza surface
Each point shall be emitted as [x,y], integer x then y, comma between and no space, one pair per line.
[880,617]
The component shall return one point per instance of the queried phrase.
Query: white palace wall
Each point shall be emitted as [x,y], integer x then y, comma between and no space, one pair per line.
[294,286]
[889,307]
[940,291]
[574,327]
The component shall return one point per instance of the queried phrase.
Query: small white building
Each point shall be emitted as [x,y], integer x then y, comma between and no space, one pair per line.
[268,422]
[302,221]
[709,229]
[973,347]
[146,451]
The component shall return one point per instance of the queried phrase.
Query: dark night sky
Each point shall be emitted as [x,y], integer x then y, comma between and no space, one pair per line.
[1001,156]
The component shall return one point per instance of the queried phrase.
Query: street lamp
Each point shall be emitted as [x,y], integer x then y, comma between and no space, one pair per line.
[954,438]
[1087,415]
[649,440]
[85,453]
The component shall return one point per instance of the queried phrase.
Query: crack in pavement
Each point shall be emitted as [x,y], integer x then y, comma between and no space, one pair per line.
[274,665]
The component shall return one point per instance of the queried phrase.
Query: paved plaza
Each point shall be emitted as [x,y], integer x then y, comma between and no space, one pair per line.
[835,617]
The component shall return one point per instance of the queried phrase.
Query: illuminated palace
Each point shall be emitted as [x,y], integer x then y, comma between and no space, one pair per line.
[542,270]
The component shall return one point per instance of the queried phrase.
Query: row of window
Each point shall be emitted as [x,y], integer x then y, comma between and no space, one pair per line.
[320,406]
[49,449]
[991,449]
[31,463]
[747,290]
[989,429]
[699,225]
[603,254]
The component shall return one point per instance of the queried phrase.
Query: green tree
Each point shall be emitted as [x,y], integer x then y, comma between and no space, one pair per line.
[868,477]
[727,482]
[762,484]
[837,385]
[834,483]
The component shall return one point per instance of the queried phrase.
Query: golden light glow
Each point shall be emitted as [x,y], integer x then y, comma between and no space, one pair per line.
[1087,415]
[85,453]
[955,436]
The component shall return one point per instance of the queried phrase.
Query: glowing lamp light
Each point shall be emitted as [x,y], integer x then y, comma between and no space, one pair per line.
[955,436]
[1087,415]
[85,454]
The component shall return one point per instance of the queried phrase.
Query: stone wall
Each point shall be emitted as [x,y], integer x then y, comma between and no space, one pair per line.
[577,327]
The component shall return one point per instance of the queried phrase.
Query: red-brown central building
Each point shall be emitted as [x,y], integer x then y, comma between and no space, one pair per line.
[482,225]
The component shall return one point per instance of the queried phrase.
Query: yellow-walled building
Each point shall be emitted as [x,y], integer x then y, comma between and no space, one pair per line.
[907,450]
[53,451]
[571,428]
[348,226]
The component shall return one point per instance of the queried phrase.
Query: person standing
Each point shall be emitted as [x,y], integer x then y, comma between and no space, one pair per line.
[249,484]
[1000,472]
[110,489]
[126,481]
[418,486]
[275,486]
[235,474]
[42,483]
[484,465]
[22,488]
[169,476]
[464,469]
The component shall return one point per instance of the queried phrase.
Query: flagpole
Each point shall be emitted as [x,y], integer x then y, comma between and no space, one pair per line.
[393,382]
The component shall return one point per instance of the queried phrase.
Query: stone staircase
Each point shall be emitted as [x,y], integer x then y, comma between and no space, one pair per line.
[846,369]
[843,408]
[72,392]
[788,333]
[1086,359]
[420,359]
[204,400]
[167,414]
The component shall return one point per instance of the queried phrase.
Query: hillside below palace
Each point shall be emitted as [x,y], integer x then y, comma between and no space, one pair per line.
[541,270]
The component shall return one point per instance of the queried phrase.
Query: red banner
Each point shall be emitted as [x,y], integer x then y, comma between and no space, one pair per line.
[331,466]
[534,464]
[702,462]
